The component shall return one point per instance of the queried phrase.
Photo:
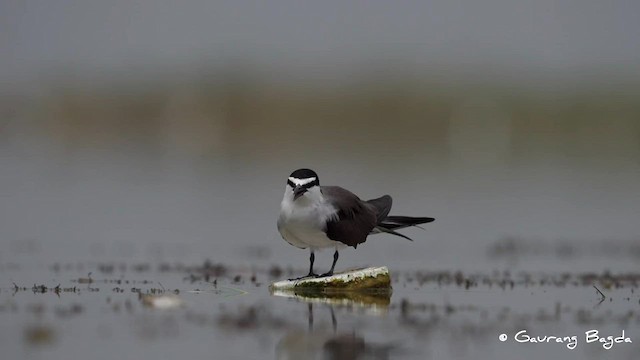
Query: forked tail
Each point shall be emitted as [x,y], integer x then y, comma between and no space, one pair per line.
[391,223]
[388,224]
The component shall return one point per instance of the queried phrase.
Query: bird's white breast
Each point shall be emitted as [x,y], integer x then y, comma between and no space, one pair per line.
[302,223]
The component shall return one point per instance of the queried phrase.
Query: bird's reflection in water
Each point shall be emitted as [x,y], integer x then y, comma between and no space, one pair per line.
[366,302]
[331,343]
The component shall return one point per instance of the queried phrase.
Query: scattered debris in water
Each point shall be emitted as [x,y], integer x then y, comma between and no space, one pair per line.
[87,280]
[275,271]
[162,302]
[68,311]
[249,318]
[469,306]
[39,335]
[513,248]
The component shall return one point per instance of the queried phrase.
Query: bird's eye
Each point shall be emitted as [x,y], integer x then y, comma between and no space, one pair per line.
[290,183]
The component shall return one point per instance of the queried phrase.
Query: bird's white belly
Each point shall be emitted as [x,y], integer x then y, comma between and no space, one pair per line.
[306,229]
[303,236]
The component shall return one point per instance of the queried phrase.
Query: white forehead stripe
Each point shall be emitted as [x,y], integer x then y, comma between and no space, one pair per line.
[301,182]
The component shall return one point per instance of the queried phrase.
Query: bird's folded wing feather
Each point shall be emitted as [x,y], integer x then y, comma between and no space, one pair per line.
[355,218]
[382,206]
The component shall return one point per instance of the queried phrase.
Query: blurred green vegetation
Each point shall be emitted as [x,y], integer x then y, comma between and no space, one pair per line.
[242,115]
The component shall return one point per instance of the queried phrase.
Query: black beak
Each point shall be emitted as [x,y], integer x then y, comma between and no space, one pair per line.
[298,191]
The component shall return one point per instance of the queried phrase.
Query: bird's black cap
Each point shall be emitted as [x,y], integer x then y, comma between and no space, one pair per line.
[305,174]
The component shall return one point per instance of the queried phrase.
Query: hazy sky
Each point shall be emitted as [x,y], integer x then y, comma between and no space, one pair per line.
[87,37]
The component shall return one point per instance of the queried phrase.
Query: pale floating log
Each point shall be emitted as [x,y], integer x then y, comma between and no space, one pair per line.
[373,278]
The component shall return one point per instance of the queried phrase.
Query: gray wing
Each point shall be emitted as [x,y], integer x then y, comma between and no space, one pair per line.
[355,218]
[382,206]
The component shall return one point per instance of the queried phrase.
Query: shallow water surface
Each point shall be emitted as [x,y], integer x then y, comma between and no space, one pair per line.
[97,310]
[527,240]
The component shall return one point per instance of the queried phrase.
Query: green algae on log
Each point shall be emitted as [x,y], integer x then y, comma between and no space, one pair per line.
[374,278]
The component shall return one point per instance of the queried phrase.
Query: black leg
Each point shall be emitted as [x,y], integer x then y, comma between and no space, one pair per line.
[333,266]
[312,258]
